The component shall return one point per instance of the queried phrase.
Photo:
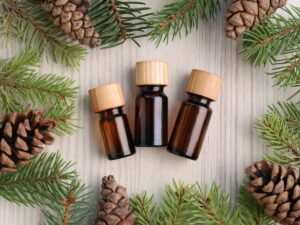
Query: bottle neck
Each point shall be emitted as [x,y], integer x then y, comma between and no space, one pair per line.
[111,113]
[152,88]
[198,99]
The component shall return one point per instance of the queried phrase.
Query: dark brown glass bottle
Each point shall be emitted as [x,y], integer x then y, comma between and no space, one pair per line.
[194,116]
[151,115]
[108,101]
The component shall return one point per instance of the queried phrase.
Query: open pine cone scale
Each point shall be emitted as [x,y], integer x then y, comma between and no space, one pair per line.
[23,135]
[277,189]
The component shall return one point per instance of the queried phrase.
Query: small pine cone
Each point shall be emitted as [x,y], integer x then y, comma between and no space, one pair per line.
[115,208]
[246,14]
[23,135]
[71,17]
[277,189]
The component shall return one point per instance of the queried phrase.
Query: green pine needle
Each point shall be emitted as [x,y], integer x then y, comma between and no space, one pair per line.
[181,16]
[145,209]
[186,204]
[280,128]
[37,181]
[251,212]
[213,206]
[274,36]
[28,23]
[117,21]
[21,87]
[277,41]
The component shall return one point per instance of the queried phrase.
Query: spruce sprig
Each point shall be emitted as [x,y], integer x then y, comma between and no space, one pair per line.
[145,209]
[280,128]
[186,204]
[27,22]
[117,21]
[277,41]
[178,17]
[21,87]
[51,183]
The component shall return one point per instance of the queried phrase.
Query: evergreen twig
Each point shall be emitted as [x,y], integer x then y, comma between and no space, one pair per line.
[145,209]
[186,204]
[28,23]
[51,183]
[21,88]
[181,16]
[277,40]
[280,128]
[118,21]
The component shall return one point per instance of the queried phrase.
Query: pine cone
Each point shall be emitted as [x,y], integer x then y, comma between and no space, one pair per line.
[277,189]
[114,207]
[242,14]
[23,135]
[71,17]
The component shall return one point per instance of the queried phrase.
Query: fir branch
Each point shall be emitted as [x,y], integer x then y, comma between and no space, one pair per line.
[70,207]
[145,209]
[279,127]
[21,88]
[274,36]
[180,16]
[62,115]
[251,212]
[37,181]
[175,205]
[51,183]
[28,23]
[213,207]
[117,21]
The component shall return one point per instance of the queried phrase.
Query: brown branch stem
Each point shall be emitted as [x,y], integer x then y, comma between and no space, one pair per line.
[206,205]
[119,19]
[161,26]
[17,85]
[68,204]
[276,35]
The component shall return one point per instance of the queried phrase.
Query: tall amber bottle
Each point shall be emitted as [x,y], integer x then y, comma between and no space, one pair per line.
[151,115]
[108,101]
[194,116]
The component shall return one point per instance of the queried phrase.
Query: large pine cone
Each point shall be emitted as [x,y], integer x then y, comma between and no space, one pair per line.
[23,135]
[277,189]
[114,207]
[71,17]
[246,14]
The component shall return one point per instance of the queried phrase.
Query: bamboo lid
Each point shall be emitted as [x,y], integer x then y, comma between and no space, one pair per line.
[205,84]
[152,73]
[107,97]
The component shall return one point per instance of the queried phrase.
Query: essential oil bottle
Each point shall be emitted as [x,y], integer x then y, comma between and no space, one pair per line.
[108,101]
[194,116]
[151,114]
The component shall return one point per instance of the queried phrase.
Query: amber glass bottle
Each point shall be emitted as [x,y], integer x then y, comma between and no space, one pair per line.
[194,116]
[108,101]
[151,115]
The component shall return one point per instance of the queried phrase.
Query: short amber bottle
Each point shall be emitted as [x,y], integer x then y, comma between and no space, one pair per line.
[108,101]
[151,115]
[194,115]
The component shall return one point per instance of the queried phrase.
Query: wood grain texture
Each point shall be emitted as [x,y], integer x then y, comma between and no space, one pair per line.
[231,142]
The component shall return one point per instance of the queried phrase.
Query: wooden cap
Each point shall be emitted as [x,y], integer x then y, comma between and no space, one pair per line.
[152,73]
[107,97]
[205,84]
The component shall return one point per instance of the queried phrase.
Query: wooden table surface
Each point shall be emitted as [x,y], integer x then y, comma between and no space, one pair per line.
[230,145]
